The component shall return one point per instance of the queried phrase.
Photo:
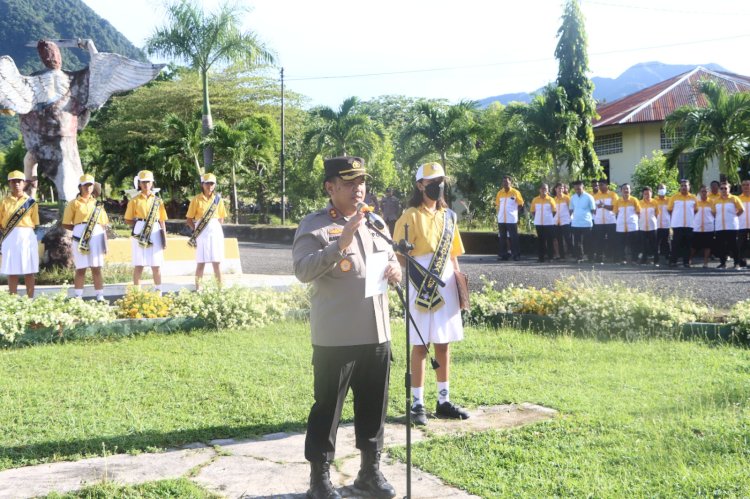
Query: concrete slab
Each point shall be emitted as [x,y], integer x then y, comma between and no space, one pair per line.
[33,481]
[242,476]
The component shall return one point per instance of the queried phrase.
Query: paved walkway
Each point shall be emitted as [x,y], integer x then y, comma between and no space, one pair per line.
[270,467]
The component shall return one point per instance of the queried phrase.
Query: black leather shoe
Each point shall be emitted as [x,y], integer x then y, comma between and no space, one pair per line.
[320,482]
[370,479]
[418,415]
[451,411]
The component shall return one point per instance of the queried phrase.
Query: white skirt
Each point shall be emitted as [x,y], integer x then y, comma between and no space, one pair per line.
[210,243]
[153,256]
[97,247]
[443,325]
[20,252]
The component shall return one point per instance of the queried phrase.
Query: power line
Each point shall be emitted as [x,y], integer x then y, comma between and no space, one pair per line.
[664,9]
[508,63]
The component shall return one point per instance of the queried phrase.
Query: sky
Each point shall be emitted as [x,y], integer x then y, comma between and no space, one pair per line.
[468,49]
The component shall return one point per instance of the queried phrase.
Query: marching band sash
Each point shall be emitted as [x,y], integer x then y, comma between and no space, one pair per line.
[144,238]
[204,221]
[428,297]
[83,243]
[16,217]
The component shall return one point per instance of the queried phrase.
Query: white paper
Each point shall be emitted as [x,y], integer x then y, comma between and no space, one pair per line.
[375,281]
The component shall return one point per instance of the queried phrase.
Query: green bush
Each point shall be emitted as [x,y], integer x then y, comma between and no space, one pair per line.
[739,319]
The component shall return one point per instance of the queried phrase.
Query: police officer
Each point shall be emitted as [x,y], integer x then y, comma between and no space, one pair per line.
[350,333]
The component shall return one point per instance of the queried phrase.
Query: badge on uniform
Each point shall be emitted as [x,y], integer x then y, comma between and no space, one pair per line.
[345,265]
[333,213]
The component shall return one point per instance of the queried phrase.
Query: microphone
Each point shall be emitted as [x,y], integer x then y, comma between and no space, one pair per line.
[371,217]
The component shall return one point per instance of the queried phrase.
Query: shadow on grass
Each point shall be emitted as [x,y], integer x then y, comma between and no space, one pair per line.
[147,441]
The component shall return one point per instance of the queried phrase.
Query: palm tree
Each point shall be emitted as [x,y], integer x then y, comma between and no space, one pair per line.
[347,131]
[719,130]
[439,129]
[543,130]
[203,40]
[184,140]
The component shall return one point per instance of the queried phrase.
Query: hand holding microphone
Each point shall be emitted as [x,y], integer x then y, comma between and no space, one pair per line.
[371,216]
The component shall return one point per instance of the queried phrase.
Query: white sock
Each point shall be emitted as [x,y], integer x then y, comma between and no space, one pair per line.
[78,293]
[443,392]
[417,396]
[100,294]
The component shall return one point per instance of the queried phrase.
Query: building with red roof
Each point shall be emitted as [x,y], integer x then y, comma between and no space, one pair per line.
[632,127]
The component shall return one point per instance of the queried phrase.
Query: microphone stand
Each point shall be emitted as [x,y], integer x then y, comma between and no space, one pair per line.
[402,248]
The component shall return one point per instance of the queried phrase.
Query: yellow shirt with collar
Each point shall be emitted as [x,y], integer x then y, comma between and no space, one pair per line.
[507,204]
[140,206]
[9,206]
[627,211]
[79,210]
[543,209]
[425,230]
[714,197]
[727,213]
[200,203]
[704,216]
[682,209]
[649,215]
[745,217]
[663,218]
[602,215]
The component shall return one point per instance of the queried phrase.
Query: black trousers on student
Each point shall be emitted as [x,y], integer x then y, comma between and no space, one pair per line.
[681,241]
[581,241]
[743,246]
[726,245]
[649,245]
[545,235]
[505,233]
[662,241]
[604,241]
[626,245]
[562,236]
[364,368]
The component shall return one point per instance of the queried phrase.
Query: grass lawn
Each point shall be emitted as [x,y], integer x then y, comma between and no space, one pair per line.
[648,418]
[164,489]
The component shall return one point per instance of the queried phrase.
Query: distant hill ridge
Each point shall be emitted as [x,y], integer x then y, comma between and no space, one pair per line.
[24,21]
[635,78]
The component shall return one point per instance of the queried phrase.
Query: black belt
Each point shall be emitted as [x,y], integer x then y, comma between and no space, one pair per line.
[76,238]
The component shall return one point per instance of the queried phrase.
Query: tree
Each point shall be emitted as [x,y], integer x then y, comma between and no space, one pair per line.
[344,132]
[571,53]
[719,130]
[542,132]
[650,172]
[440,129]
[204,40]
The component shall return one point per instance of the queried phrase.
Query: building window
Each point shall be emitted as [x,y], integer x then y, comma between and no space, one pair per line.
[668,140]
[682,165]
[605,168]
[608,144]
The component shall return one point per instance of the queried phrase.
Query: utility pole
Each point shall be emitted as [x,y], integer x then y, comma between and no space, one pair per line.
[281,159]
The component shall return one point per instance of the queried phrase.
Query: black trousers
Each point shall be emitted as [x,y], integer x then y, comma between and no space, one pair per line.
[662,242]
[649,245]
[507,232]
[626,245]
[726,245]
[604,241]
[564,242]
[545,235]
[743,246]
[581,241]
[364,368]
[681,241]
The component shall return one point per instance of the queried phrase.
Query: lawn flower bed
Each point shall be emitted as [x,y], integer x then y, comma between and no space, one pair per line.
[577,305]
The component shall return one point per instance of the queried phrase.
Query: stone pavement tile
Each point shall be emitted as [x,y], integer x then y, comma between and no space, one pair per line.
[243,476]
[395,434]
[277,447]
[32,481]
[423,485]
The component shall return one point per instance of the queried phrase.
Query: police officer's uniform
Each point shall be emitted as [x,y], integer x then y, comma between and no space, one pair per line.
[350,333]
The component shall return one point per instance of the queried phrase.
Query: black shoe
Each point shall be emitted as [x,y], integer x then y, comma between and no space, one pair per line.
[320,482]
[503,258]
[418,415]
[451,411]
[516,258]
[686,265]
[370,479]
[721,266]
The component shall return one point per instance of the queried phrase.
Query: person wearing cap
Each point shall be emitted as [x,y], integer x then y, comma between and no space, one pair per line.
[146,215]
[351,337]
[205,216]
[19,214]
[508,204]
[433,231]
[87,219]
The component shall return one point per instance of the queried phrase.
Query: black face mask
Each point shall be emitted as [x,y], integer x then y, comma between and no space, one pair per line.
[434,191]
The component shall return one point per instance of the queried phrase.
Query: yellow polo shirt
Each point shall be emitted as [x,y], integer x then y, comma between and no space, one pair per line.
[544,209]
[139,206]
[79,210]
[9,206]
[200,203]
[425,229]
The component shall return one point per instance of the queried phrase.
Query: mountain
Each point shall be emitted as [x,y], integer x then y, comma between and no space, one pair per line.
[635,78]
[24,21]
